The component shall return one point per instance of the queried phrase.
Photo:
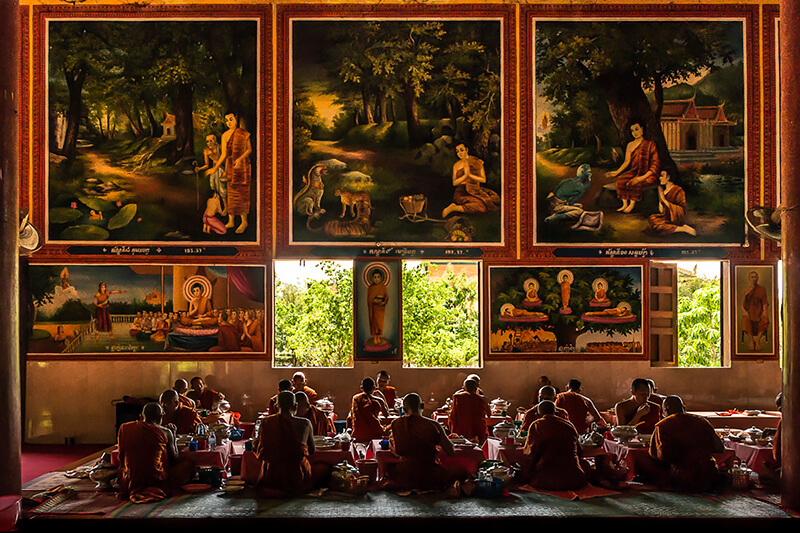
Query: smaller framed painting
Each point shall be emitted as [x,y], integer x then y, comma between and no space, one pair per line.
[754,311]
[377,312]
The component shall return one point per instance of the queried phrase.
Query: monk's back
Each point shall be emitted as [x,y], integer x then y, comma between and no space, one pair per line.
[366,422]
[552,444]
[143,454]
[575,406]
[416,437]
[468,414]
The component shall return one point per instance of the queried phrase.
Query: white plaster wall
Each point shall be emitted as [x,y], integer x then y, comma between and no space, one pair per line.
[74,399]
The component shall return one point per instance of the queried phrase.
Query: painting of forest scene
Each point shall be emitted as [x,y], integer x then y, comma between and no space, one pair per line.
[396,131]
[152,130]
[124,309]
[640,132]
[566,309]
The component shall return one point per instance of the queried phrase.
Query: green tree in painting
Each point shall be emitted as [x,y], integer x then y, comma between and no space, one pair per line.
[440,318]
[568,327]
[699,322]
[622,60]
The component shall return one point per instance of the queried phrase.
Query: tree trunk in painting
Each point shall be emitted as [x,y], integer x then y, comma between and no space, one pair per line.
[155,127]
[566,335]
[75,79]
[184,127]
[381,105]
[365,97]
[628,103]
[415,135]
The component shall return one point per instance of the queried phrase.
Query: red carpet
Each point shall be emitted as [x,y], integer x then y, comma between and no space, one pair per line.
[38,459]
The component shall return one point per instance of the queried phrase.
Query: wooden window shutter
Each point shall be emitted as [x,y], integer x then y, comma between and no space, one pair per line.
[663,314]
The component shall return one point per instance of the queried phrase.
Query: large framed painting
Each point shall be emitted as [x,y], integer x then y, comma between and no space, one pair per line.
[81,311]
[755,311]
[377,300]
[649,134]
[565,311]
[395,126]
[152,128]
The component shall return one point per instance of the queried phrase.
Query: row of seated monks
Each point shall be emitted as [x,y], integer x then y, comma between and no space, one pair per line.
[680,455]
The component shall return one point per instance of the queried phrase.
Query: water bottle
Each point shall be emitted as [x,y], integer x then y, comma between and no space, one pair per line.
[212,439]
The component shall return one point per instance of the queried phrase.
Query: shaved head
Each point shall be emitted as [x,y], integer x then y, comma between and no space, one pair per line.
[367,384]
[476,378]
[673,405]
[546,407]
[284,384]
[181,385]
[547,393]
[302,402]
[470,385]
[412,403]
[152,413]
[286,402]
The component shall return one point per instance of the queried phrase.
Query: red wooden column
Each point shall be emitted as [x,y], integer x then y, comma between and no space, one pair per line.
[790,246]
[10,386]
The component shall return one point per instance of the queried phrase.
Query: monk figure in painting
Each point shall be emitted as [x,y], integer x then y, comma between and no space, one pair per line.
[284,444]
[565,280]
[236,150]
[201,312]
[671,216]
[639,169]
[217,181]
[415,439]
[102,315]
[148,456]
[469,197]
[377,297]
[755,320]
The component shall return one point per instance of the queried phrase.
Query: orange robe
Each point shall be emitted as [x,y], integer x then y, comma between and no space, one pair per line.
[286,465]
[648,423]
[552,444]
[143,458]
[415,440]
[577,408]
[365,412]
[321,423]
[389,394]
[311,393]
[185,400]
[238,177]
[532,415]
[272,409]
[644,158]
[184,418]
[674,214]
[227,339]
[687,443]
[468,415]
[206,399]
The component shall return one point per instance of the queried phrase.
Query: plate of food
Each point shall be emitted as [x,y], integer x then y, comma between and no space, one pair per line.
[752,412]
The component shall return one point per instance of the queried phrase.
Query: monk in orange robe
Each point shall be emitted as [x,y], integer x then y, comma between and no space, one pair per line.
[284,444]
[365,413]
[671,217]
[548,393]
[300,384]
[227,336]
[552,445]
[683,446]
[320,422]
[283,385]
[148,455]
[203,396]
[468,413]
[183,420]
[181,387]
[639,169]
[578,407]
[638,410]
[385,390]
[415,439]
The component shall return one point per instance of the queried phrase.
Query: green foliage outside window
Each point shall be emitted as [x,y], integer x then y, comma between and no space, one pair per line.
[440,318]
[699,322]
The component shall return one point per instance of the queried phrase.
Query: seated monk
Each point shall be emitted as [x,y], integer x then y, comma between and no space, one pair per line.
[552,446]
[468,413]
[320,422]
[227,337]
[148,456]
[415,439]
[283,385]
[300,384]
[181,419]
[770,474]
[386,391]
[638,410]
[200,312]
[181,387]
[203,397]
[579,407]
[545,393]
[365,413]
[284,444]
[654,396]
[682,447]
